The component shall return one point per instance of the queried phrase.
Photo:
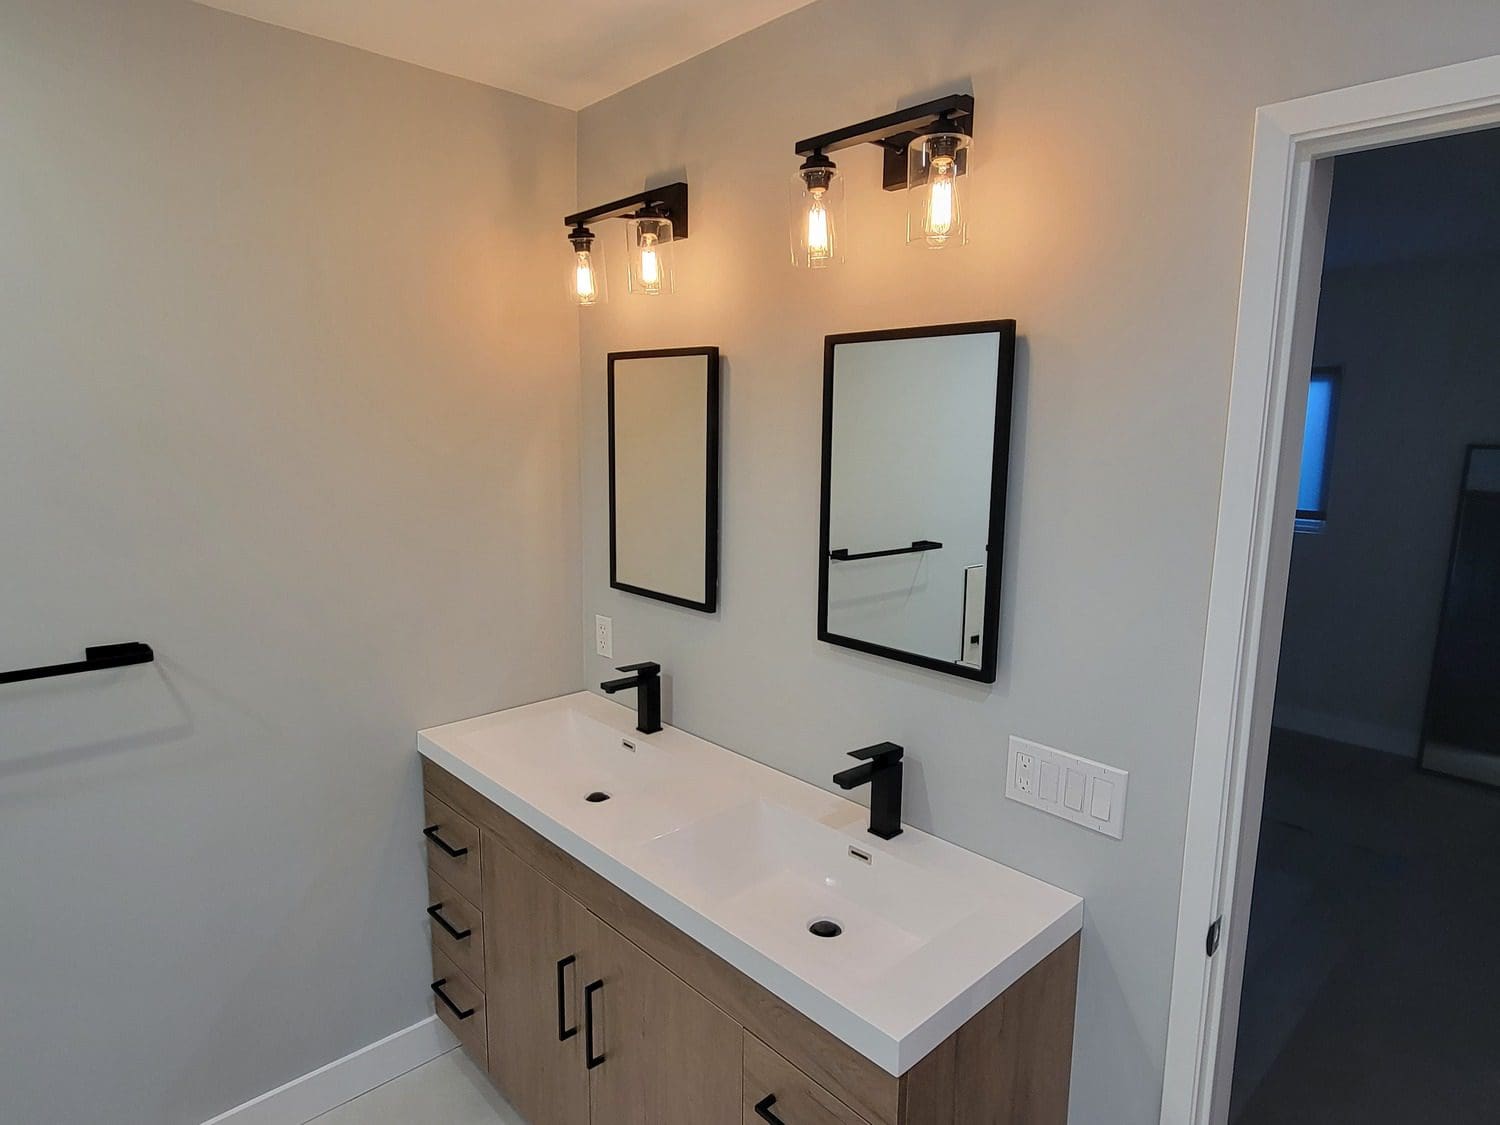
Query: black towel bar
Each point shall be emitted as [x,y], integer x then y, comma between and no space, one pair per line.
[842,554]
[95,659]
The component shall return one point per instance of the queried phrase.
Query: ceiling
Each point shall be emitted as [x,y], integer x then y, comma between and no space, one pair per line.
[567,52]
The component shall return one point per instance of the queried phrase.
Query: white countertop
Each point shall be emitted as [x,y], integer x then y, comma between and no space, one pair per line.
[734,853]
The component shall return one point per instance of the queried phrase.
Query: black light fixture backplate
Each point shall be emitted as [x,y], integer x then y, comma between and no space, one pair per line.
[669,201]
[894,132]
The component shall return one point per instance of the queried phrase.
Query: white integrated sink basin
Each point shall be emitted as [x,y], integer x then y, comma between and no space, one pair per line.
[745,859]
[771,875]
[561,757]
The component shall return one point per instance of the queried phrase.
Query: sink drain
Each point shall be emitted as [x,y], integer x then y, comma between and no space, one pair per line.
[596,796]
[825,927]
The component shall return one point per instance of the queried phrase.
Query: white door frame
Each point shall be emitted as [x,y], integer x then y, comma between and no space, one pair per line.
[1252,551]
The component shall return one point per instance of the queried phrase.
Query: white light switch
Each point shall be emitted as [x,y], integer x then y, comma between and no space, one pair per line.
[1099,802]
[1073,791]
[1048,790]
[1077,789]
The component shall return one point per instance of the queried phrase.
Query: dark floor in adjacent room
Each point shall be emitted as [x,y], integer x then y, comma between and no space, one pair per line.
[1372,980]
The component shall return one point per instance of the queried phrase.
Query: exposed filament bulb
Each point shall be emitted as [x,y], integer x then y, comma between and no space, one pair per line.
[819,234]
[940,210]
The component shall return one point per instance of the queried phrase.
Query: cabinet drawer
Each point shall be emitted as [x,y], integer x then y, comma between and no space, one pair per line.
[457,926]
[798,1100]
[448,833]
[464,1013]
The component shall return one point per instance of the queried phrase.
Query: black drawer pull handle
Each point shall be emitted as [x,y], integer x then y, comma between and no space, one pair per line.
[461,1013]
[431,833]
[763,1110]
[435,912]
[590,1059]
[564,1032]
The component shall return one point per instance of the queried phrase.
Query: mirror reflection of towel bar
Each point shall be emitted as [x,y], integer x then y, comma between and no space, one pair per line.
[842,554]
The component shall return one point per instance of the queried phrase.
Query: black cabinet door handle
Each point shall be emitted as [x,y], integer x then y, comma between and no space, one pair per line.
[431,833]
[590,1059]
[763,1110]
[461,1013]
[564,1032]
[435,912]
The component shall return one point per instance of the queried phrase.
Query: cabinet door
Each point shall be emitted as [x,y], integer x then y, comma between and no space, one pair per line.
[533,990]
[662,1054]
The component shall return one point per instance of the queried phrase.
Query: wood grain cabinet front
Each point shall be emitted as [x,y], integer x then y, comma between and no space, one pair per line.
[538,942]
[452,847]
[662,1054]
[777,1093]
[460,1005]
[457,926]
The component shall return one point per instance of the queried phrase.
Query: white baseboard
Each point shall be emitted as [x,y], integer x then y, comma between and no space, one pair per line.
[318,1091]
[1354,732]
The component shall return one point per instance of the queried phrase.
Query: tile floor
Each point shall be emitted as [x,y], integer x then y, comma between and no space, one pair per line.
[1372,984]
[449,1090]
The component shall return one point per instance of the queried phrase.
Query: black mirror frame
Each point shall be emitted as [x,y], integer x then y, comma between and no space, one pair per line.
[710,602]
[999,478]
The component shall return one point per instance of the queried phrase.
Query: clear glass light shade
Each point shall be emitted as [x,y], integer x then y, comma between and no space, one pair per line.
[938,174]
[817,218]
[585,277]
[648,243]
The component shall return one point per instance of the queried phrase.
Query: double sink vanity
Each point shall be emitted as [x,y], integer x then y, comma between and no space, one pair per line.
[633,926]
[647,928]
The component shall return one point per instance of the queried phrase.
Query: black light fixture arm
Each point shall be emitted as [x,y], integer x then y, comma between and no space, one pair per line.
[668,202]
[893,132]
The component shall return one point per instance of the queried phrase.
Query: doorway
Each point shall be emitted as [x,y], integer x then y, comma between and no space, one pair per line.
[1289,196]
[1374,865]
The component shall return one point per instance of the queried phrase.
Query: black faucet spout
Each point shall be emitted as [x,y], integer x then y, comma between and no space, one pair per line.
[646,679]
[882,769]
[854,776]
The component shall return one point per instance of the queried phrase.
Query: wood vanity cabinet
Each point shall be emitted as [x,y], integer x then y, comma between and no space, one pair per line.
[589,1009]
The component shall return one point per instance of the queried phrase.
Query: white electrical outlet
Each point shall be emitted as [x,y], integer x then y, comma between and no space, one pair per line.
[604,636]
[1025,765]
[1077,789]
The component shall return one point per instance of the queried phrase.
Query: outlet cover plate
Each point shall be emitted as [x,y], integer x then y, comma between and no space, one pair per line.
[1077,789]
[604,636]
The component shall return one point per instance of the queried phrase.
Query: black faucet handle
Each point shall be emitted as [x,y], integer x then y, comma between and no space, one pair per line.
[645,668]
[882,753]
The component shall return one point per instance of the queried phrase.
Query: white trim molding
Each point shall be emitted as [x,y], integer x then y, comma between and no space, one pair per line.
[330,1086]
[1288,186]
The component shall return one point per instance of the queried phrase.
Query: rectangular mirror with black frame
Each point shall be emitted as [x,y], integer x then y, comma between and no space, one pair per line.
[916,448]
[664,475]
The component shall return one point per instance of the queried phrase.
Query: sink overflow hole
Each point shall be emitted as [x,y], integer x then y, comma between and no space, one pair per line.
[596,796]
[825,927]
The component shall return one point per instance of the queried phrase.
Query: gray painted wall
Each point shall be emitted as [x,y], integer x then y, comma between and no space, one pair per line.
[1420,346]
[277,396]
[1112,168]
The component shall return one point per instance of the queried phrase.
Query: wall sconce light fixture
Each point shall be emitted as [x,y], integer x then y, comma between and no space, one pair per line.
[655,219]
[927,148]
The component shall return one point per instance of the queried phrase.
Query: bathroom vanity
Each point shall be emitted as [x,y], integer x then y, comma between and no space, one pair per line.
[651,929]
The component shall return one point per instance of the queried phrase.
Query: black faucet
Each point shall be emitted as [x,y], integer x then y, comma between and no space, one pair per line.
[648,701]
[882,769]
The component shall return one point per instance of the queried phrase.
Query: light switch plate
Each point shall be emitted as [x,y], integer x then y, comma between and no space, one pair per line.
[604,636]
[1068,786]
